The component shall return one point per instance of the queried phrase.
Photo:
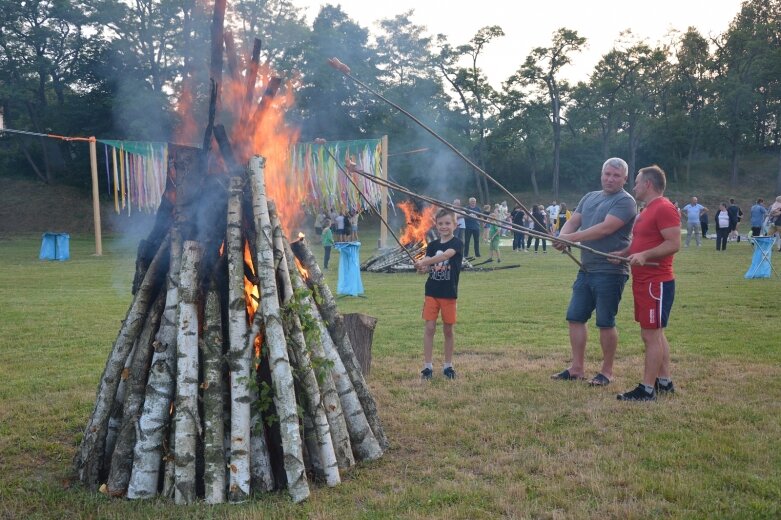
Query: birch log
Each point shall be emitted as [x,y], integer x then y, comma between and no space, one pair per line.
[331,402]
[333,318]
[281,374]
[260,468]
[122,457]
[313,403]
[186,417]
[118,407]
[90,457]
[154,424]
[239,350]
[364,444]
[213,388]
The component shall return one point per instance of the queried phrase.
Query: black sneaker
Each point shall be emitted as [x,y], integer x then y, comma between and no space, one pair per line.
[426,374]
[663,389]
[449,373]
[638,394]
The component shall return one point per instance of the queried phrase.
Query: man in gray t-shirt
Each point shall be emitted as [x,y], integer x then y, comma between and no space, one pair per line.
[602,221]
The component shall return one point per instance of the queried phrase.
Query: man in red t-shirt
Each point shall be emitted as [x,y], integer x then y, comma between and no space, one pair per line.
[656,236]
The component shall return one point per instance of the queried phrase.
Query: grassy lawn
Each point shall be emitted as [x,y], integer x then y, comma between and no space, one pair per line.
[502,440]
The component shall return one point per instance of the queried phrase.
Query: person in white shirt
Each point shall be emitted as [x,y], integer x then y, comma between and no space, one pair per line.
[553,213]
[722,227]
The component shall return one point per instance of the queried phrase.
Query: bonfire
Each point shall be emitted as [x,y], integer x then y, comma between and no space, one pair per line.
[198,398]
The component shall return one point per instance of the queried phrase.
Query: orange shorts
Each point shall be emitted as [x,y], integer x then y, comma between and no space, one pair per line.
[432,306]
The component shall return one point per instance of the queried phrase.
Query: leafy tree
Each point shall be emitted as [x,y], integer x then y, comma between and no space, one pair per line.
[541,71]
[330,105]
[738,61]
[521,138]
[42,46]
[279,24]
[638,100]
[408,76]
[472,88]
[688,113]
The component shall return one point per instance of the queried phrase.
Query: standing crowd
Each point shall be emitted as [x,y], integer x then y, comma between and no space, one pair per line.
[764,220]
[617,239]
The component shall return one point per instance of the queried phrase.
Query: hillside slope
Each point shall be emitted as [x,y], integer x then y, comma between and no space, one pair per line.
[28,206]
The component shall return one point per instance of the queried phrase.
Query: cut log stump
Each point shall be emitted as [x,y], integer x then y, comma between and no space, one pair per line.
[360,329]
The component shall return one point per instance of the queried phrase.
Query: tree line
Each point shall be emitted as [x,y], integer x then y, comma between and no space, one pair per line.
[115,69]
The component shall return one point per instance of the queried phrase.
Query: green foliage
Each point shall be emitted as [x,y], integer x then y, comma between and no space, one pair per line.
[117,69]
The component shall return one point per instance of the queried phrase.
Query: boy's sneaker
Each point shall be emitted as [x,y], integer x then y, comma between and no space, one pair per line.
[449,373]
[663,389]
[426,374]
[638,394]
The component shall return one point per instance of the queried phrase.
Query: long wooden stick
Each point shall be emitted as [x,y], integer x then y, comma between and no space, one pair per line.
[371,206]
[344,69]
[487,220]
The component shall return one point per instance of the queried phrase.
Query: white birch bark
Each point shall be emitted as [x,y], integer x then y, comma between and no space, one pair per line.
[312,401]
[279,364]
[213,424]
[261,471]
[118,408]
[330,397]
[90,457]
[327,305]
[135,382]
[239,350]
[186,416]
[154,424]
[362,439]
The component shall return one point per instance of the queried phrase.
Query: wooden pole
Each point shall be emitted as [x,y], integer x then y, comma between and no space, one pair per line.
[384,193]
[93,161]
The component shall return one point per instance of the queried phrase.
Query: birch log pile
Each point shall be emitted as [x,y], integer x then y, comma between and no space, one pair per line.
[228,378]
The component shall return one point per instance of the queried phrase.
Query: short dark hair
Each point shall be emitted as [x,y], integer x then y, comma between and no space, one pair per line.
[656,176]
[444,212]
[760,200]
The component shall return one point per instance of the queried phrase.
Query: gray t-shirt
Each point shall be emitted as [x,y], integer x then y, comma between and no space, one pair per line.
[594,207]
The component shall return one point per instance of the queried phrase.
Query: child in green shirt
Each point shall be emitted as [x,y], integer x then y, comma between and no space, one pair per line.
[494,234]
[328,241]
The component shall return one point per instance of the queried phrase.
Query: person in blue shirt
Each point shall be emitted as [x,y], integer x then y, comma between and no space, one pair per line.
[758,214]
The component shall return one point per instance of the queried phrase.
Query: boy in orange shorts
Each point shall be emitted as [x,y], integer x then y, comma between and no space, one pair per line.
[443,265]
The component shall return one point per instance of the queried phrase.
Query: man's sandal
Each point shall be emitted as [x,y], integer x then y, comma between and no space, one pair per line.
[599,380]
[565,375]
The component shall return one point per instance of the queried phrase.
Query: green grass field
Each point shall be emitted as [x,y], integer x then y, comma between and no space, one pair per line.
[502,440]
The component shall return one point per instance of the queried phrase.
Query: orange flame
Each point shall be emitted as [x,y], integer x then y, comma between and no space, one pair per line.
[251,293]
[418,224]
[302,269]
[255,128]
[262,130]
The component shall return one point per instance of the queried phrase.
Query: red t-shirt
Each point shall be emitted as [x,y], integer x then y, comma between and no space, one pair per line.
[659,214]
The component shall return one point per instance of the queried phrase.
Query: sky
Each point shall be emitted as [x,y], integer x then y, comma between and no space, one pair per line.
[531,24]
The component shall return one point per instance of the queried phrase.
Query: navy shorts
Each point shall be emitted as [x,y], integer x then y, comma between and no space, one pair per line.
[600,291]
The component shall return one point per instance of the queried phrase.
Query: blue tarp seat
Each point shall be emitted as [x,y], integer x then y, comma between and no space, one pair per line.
[760,262]
[55,246]
[349,280]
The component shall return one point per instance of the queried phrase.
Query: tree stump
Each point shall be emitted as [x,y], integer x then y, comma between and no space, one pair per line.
[360,329]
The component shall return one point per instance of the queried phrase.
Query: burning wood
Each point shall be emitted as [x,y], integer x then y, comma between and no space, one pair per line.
[419,231]
[340,423]
[198,397]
